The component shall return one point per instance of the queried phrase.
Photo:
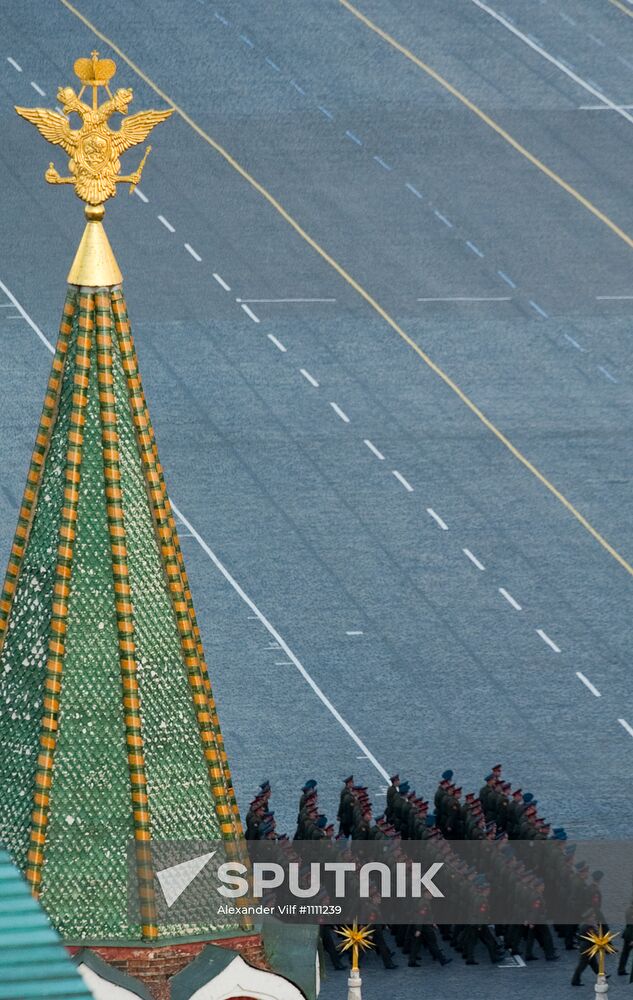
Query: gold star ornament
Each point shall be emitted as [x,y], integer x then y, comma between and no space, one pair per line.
[600,945]
[357,938]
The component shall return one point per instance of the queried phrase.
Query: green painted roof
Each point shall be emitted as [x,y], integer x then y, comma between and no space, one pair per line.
[33,960]
[108,729]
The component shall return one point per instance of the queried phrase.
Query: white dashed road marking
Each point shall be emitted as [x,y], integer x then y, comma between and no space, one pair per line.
[194,254]
[309,377]
[221,282]
[407,485]
[510,599]
[278,344]
[374,450]
[14,64]
[249,312]
[544,636]
[340,413]
[438,520]
[474,560]
[166,223]
[588,684]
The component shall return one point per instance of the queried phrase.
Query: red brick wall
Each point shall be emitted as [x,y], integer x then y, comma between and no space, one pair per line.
[154,966]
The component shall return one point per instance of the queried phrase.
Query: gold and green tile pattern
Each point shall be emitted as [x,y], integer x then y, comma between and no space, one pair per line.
[106,711]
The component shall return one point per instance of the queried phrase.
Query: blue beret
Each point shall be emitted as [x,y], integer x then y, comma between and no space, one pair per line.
[597,876]
[488,777]
[430,819]
[528,797]
[321,822]
[309,785]
[404,787]
[447,775]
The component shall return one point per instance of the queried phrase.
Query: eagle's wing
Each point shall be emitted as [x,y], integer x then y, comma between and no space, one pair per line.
[52,126]
[136,128]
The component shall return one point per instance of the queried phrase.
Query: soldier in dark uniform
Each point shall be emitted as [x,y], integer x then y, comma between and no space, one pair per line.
[627,942]
[254,817]
[590,924]
[392,794]
[330,946]
[345,811]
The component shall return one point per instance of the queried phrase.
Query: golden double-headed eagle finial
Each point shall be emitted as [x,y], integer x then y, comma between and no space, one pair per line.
[95,148]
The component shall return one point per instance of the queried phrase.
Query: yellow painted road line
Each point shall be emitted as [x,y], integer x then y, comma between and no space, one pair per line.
[371,301]
[443,82]
[622,7]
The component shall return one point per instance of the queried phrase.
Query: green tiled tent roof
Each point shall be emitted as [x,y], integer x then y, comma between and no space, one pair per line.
[108,728]
[33,960]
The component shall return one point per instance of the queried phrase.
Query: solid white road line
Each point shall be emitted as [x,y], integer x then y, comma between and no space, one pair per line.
[221,282]
[590,88]
[407,485]
[38,89]
[474,560]
[469,298]
[167,225]
[544,636]
[284,645]
[339,412]
[14,64]
[603,107]
[189,249]
[308,376]
[26,316]
[373,448]
[139,194]
[436,517]
[510,599]
[626,726]
[285,300]
[588,684]
[277,343]
[249,312]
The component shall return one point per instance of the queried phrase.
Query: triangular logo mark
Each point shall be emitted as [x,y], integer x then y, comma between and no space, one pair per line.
[174,880]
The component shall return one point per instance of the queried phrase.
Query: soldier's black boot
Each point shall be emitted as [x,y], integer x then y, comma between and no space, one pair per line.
[416,940]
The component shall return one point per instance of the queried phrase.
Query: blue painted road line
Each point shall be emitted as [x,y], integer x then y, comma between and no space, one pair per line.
[538,309]
[273,64]
[382,163]
[413,190]
[443,219]
[607,374]
[247,41]
[220,18]
[475,249]
[505,277]
[574,343]
[324,111]
[297,87]
[354,138]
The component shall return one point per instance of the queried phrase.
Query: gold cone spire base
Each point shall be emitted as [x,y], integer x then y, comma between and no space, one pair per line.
[94,262]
